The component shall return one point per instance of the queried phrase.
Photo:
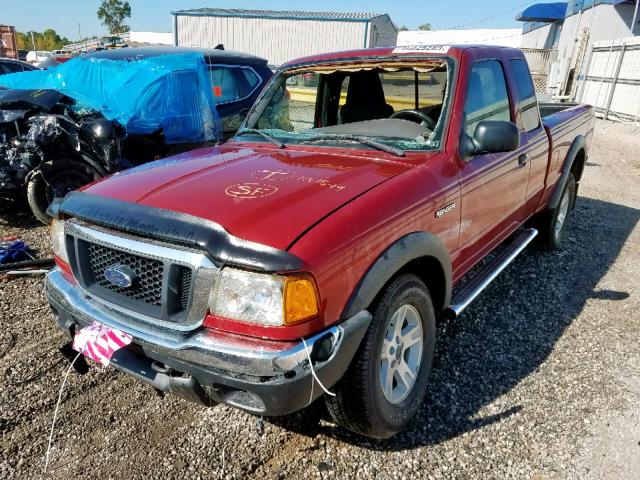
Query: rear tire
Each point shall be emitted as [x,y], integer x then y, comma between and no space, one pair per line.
[386,382]
[552,224]
[55,180]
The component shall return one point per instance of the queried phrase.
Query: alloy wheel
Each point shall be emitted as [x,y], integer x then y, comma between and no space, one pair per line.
[401,354]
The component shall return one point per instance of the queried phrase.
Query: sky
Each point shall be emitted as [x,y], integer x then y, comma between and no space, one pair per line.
[66,16]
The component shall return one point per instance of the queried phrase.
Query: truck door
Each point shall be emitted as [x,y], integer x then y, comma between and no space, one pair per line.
[532,134]
[493,186]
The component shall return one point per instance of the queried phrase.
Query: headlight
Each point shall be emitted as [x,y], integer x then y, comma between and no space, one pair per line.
[58,243]
[265,299]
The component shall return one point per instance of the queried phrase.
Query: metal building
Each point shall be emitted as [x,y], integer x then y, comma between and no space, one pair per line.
[280,36]
[558,38]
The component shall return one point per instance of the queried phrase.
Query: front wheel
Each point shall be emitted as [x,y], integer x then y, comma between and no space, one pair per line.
[386,382]
[55,180]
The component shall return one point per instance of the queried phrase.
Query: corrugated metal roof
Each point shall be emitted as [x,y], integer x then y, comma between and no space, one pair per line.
[281,14]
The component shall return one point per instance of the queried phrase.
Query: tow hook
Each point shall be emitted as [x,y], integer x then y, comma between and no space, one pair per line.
[161,368]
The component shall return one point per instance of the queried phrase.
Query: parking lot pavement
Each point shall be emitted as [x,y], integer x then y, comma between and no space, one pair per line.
[538,379]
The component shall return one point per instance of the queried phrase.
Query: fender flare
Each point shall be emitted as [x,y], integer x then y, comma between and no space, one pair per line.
[59,164]
[47,167]
[579,143]
[102,171]
[404,250]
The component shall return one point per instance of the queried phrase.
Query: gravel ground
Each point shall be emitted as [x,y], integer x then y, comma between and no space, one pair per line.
[538,379]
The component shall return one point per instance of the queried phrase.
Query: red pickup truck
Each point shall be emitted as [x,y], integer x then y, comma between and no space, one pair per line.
[312,254]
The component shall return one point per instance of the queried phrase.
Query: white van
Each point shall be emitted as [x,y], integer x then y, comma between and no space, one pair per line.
[35,56]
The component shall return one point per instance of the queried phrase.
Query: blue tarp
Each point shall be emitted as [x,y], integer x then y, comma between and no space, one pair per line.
[13,251]
[168,92]
[543,12]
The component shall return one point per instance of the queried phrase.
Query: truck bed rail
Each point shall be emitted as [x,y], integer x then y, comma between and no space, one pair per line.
[549,108]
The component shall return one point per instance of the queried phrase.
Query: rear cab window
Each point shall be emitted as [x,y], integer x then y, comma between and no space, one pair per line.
[231,83]
[487,95]
[407,89]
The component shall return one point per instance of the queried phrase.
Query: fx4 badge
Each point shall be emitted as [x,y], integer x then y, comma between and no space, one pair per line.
[444,210]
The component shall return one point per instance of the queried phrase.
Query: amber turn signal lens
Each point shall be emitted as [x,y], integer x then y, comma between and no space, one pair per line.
[300,299]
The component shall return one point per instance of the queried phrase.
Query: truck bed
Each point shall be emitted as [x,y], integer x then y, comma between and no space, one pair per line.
[564,123]
[551,108]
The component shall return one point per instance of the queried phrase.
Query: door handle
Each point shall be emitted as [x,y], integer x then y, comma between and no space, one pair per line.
[523,159]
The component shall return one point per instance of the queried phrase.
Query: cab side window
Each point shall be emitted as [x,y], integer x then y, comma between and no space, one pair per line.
[487,97]
[527,103]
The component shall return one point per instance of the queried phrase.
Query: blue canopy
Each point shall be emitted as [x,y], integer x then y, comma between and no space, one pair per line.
[543,12]
[168,92]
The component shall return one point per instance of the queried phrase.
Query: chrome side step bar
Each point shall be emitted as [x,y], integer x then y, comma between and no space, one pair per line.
[468,293]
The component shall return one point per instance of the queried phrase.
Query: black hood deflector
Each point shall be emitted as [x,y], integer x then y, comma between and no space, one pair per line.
[174,227]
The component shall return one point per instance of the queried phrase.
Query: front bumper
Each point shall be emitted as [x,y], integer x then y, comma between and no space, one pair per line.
[266,378]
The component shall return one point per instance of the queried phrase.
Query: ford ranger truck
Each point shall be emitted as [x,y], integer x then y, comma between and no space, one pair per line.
[311,255]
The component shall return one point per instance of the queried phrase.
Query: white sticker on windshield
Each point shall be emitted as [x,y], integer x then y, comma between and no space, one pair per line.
[422,49]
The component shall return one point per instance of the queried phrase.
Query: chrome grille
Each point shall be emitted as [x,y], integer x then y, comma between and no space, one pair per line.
[171,284]
[184,285]
[161,289]
[148,286]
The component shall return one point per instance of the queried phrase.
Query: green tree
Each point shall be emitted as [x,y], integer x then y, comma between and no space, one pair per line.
[403,28]
[50,39]
[112,14]
[23,40]
[424,26]
[47,40]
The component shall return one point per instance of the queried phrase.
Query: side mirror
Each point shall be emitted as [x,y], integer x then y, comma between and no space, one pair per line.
[493,136]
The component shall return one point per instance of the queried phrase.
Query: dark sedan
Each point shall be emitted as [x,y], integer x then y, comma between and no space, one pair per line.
[8,65]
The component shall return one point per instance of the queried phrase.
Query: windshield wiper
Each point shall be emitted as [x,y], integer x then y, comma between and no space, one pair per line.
[255,131]
[357,138]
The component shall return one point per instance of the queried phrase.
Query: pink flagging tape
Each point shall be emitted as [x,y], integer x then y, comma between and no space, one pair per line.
[99,343]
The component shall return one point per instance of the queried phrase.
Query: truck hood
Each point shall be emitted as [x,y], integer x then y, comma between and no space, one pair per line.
[265,195]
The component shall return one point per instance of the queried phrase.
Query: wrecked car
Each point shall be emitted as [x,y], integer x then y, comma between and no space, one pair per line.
[102,113]
[236,78]
[51,150]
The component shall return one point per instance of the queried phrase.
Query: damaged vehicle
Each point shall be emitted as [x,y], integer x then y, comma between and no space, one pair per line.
[102,113]
[51,150]
[309,257]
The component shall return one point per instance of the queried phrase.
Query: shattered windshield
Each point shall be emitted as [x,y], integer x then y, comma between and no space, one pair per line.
[395,104]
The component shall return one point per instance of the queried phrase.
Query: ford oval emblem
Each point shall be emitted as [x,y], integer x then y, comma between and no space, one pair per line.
[120,275]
